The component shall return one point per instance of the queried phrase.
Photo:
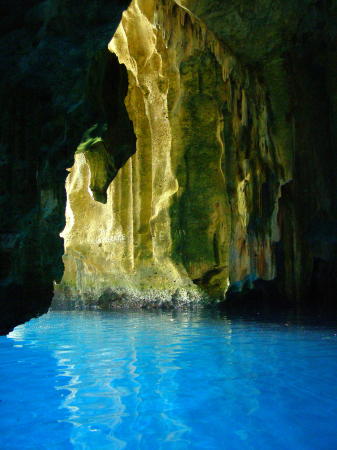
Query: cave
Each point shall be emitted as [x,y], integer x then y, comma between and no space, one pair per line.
[168,236]
[197,163]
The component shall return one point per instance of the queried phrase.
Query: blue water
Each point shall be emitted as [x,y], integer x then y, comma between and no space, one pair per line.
[167,381]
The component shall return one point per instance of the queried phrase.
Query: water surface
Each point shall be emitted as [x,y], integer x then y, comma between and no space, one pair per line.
[90,380]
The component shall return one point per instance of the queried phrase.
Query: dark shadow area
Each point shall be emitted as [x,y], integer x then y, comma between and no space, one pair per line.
[264,299]
[46,53]
[110,142]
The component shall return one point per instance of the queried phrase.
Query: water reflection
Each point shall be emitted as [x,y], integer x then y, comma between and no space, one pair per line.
[28,377]
[169,380]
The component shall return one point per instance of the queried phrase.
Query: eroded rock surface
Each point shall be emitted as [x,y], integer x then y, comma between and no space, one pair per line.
[225,181]
[205,135]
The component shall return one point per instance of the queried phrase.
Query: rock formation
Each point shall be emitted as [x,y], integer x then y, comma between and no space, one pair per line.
[203,197]
[47,49]
[205,169]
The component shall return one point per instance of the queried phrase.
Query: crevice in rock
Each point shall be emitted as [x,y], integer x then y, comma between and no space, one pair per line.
[108,144]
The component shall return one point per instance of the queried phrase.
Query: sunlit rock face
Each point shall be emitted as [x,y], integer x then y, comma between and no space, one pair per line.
[193,211]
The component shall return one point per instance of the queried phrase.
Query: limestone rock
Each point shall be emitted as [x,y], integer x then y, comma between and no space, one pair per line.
[199,205]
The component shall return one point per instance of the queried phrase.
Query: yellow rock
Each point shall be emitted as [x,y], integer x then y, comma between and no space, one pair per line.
[177,219]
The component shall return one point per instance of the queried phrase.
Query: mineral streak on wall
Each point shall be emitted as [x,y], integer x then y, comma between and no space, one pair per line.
[192,208]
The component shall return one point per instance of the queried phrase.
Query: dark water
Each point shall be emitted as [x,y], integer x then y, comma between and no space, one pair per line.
[163,381]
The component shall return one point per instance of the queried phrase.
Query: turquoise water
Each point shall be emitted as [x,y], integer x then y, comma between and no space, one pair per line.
[167,381]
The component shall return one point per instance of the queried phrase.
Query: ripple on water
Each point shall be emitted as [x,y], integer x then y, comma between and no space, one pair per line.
[167,381]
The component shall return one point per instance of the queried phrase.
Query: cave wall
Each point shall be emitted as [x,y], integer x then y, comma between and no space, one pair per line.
[228,189]
[292,45]
[205,158]
[47,48]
